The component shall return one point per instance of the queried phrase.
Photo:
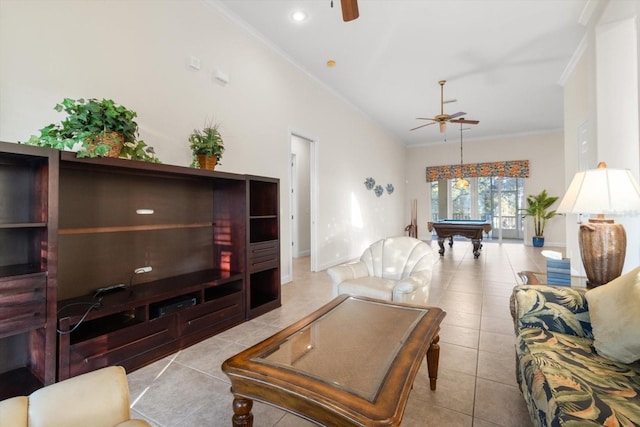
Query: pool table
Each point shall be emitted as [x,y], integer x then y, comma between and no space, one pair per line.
[470,228]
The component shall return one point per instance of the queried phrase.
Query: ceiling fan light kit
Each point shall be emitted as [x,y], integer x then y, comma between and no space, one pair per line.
[461,183]
[443,118]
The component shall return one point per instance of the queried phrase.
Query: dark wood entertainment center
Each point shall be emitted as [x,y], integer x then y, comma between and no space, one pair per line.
[196,251]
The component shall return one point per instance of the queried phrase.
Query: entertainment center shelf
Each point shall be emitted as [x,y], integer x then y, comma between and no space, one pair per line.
[196,252]
[130,228]
[28,225]
[263,246]
[151,319]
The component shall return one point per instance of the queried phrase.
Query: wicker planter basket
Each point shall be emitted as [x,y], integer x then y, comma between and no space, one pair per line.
[207,162]
[115,140]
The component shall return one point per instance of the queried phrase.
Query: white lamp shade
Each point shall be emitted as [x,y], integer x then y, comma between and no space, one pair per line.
[602,191]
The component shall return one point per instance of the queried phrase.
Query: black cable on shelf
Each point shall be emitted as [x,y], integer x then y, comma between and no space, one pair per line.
[92,306]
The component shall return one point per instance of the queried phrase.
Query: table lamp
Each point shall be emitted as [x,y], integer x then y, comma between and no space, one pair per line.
[603,244]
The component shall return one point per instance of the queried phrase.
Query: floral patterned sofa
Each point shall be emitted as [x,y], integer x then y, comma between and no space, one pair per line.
[564,381]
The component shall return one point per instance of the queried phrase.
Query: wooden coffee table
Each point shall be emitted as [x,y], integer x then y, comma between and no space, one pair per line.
[350,363]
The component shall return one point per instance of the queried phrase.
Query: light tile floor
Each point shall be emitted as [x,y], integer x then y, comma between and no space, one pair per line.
[476,381]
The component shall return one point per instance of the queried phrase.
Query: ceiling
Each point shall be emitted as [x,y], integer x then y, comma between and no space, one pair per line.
[502,59]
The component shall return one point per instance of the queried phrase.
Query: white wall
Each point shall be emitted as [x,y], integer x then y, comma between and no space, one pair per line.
[602,88]
[579,109]
[136,53]
[545,153]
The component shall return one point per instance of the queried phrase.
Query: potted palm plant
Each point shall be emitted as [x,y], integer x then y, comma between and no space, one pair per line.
[207,146]
[538,209]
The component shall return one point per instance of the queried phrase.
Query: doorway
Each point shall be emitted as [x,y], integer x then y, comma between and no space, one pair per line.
[302,193]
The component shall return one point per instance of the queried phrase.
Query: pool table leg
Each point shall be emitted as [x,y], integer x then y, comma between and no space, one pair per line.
[450,241]
[477,244]
[441,244]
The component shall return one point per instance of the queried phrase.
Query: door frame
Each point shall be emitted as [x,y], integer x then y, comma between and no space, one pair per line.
[313,197]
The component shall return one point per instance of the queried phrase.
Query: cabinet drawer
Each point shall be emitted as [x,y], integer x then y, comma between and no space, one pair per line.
[263,255]
[116,347]
[21,291]
[212,315]
[19,318]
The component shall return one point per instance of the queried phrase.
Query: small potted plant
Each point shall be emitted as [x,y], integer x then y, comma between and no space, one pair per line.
[538,208]
[207,146]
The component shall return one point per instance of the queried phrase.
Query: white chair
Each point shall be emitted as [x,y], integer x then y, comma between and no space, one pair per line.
[392,269]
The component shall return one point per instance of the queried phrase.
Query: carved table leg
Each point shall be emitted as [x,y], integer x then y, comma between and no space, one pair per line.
[450,241]
[476,247]
[441,244]
[433,357]
[242,416]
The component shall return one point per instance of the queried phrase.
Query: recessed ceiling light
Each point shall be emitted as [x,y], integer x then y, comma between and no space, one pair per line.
[331,63]
[299,16]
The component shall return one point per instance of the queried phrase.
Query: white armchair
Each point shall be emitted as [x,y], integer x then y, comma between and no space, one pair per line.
[393,269]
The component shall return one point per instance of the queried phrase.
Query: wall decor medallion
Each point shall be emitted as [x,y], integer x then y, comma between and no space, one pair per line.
[379,190]
[369,183]
[390,188]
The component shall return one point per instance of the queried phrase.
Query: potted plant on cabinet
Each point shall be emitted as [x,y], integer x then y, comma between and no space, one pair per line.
[95,128]
[538,208]
[207,146]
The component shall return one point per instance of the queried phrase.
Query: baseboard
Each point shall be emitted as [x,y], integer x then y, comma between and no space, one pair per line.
[338,262]
[548,244]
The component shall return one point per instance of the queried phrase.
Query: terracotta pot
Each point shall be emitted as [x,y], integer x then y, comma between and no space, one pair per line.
[207,162]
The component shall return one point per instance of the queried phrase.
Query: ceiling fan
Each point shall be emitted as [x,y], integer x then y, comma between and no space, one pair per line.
[443,118]
[349,9]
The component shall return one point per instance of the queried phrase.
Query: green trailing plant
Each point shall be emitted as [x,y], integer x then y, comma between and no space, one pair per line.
[538,209]
[207,141]
[139,150]
[85,126]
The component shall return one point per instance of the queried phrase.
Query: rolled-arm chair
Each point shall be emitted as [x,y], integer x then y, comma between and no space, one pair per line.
[393,269]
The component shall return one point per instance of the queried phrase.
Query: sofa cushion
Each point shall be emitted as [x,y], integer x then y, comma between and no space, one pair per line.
[560,309]
[13,411]
[101,396]
[567,384]
[615,317]
[369,286]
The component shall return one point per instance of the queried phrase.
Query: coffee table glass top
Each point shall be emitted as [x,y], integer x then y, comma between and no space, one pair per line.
[338,347]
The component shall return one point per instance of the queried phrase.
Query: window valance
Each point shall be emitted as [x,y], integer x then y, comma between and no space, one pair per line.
[510,168]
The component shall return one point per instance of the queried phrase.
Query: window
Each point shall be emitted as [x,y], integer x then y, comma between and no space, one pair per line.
[496,199]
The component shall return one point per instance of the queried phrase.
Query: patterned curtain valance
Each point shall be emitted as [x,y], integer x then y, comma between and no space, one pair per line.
[511,168]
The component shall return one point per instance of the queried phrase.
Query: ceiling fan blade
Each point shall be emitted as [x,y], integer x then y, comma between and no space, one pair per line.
[467,121]
[349,10]
[458,114]
[421,126]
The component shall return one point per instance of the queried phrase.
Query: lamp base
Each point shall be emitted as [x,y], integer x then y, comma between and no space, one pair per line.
[603,246]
